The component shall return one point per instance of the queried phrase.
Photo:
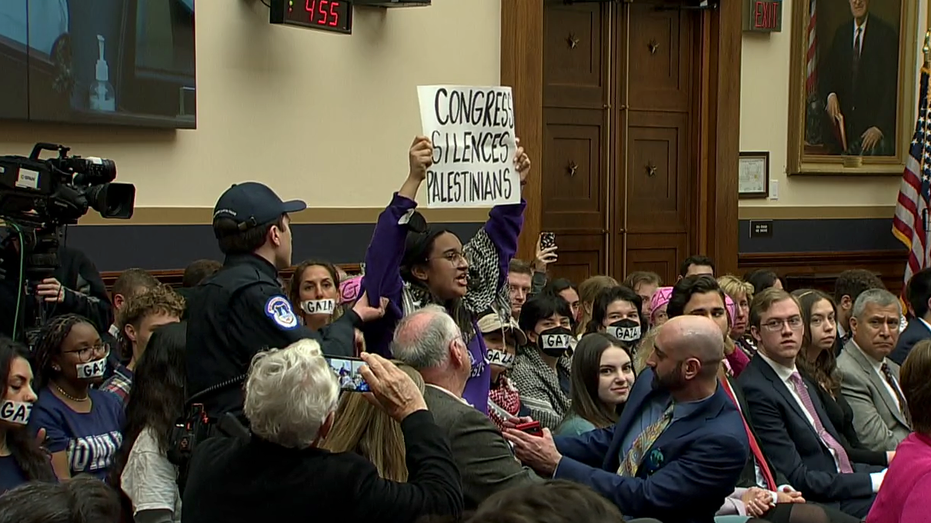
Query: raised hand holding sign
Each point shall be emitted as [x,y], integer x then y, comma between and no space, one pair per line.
[471,130]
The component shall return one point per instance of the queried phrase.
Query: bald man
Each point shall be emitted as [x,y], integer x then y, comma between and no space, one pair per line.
[680,445]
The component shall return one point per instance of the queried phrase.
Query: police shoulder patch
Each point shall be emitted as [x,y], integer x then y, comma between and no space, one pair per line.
[278,308]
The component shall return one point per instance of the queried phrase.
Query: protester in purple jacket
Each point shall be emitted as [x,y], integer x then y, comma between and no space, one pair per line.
[413,265]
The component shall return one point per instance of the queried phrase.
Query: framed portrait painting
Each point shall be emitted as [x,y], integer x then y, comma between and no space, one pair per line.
[853,81]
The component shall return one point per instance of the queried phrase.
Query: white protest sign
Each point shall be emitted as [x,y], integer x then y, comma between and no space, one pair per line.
[472,130]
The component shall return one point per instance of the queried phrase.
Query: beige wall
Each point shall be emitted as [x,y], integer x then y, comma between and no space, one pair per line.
[764,102]
[320,116]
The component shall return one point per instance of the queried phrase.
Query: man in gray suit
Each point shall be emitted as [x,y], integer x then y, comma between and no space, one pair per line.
[429,341]
[869,380]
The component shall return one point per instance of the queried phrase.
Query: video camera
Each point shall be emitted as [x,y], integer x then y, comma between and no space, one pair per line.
[38,198]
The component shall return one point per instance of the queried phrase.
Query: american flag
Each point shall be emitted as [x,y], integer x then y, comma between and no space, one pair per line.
[912,223]
[811,79]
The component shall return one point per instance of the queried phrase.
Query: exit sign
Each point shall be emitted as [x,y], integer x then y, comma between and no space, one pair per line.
[763,16]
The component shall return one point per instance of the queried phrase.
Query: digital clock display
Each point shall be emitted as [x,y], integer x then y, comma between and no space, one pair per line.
[329,15]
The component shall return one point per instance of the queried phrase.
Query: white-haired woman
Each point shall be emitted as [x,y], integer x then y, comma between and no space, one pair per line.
[290,401]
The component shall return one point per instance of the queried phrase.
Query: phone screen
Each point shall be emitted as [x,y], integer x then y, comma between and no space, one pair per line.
[547,240]
[347,373]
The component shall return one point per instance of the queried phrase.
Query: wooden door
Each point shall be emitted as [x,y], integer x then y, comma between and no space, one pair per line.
[618,167]
[655,172]
[575,139]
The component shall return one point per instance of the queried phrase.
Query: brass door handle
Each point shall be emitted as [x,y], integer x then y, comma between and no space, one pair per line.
[572,41]
[654,46]
[651,169]
[572,168]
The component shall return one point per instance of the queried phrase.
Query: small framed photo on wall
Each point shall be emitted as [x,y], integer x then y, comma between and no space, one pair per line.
[754,175]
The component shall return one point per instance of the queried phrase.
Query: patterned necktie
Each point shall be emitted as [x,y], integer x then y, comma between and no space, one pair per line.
[843,462]
[754,444]
[887,372]
[642,444]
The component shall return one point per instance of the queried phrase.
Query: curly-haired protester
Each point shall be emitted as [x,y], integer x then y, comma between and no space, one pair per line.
[83,425]
[137,319]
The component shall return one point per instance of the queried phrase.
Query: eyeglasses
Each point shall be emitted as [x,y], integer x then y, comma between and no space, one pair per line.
[453,257]
[85,354]
[794,323]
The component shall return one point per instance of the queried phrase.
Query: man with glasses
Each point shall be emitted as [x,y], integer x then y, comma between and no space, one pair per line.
[793,428]
[680,445]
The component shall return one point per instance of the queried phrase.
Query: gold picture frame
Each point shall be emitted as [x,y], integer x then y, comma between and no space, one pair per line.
[814,138]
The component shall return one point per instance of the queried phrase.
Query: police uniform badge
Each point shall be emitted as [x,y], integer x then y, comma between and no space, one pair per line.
[279,310]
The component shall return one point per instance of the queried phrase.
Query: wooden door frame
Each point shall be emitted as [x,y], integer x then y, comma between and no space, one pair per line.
[719,121]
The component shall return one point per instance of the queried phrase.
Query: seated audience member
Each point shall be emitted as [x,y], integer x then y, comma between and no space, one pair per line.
[617,312]
[602,376]
[281,470]
[847,288]
[679,447]
[361,427]
[741,293]
[869,380]
[701,296]
[554,501]
[413,265]
[565,288]
[543,366]
[141,469]
[658,306]
[589,290]
[762,279]
[80,500]
[796,435]
[430,341]
[644,283]
[502,340]
[907,490]
[919,327]
[21,459]
[696,266]
[314,293]
[83,425]
[75,287]
[520,283]
[137,319]
[243,309]
[817,363]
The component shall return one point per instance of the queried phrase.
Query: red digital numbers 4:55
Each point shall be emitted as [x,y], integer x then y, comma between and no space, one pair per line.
[329,15]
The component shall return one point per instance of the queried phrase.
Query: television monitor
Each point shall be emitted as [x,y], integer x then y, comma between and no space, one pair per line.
[116,62]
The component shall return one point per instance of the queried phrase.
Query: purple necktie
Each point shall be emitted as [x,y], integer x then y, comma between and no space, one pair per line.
[843,461]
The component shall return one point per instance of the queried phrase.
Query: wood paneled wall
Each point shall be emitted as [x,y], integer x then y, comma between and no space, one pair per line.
[799,269]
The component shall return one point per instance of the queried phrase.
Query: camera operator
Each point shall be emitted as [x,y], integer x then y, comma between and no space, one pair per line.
[242,309]
[75,287]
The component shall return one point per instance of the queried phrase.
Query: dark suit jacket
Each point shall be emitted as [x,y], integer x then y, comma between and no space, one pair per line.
[792,444]
[748,476]
[913,333]
[869,99]
[236,481]
[688,471]
[483,456]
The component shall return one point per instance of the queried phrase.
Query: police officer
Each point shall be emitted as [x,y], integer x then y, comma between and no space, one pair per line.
[242,309]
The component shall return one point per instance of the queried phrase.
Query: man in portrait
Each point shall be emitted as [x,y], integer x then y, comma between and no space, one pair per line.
[860,84]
